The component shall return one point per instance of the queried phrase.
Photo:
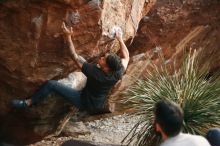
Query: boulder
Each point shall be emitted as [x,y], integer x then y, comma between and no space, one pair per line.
[177,26]
[33,51]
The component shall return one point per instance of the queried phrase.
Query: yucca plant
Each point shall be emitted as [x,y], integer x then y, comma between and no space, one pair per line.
[187,85]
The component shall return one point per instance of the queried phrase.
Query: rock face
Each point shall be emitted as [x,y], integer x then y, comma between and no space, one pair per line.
[179,25]
[33,51]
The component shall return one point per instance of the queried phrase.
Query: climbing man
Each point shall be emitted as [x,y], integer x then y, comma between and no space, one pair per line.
[101,77]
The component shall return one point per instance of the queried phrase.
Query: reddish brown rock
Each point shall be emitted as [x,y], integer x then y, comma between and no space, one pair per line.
[33,51]
[178,25]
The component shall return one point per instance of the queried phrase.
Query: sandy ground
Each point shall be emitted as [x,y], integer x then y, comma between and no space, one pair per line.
[110,130]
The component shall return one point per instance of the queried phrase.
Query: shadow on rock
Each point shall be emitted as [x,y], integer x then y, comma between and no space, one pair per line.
[83,143]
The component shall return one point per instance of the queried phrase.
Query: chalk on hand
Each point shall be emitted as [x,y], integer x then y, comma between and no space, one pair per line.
[114,30]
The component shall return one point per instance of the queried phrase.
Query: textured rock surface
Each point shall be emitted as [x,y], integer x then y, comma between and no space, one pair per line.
[33,51]
[179,25]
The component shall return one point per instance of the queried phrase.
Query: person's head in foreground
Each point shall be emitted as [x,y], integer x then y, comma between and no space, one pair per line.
[213,136]
[168,118]
[169,121]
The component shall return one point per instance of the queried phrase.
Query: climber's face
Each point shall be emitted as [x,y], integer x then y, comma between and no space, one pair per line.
[103,65]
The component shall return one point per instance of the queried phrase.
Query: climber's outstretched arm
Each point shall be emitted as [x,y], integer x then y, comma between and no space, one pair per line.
[123,50]
[67,35]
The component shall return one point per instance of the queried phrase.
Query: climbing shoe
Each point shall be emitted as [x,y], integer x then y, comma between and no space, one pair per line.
[18,103]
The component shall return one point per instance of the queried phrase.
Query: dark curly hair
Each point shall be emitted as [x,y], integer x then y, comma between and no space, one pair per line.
[114,62]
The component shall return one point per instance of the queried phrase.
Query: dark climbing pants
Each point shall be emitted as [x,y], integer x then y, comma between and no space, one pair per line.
[54,86]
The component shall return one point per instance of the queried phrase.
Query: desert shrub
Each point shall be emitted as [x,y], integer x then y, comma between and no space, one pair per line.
[187,85]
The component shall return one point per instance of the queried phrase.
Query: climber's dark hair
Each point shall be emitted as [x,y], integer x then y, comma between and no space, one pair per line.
[114,62]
